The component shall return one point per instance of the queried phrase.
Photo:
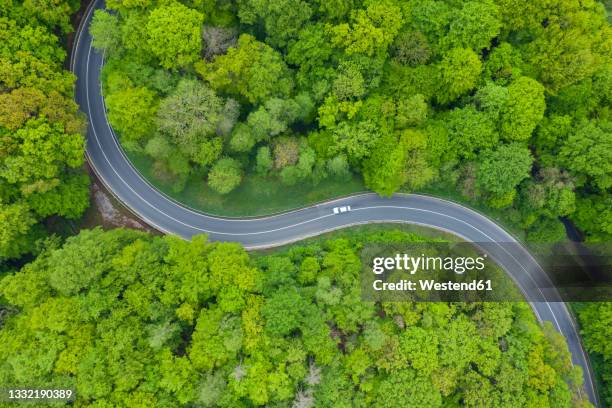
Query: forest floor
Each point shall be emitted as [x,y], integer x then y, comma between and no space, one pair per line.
[106,211]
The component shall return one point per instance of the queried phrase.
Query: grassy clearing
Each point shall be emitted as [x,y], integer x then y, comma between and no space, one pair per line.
[255,196]
[258,195]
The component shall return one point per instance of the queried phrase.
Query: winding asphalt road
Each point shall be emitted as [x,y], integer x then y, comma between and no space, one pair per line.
[123,180]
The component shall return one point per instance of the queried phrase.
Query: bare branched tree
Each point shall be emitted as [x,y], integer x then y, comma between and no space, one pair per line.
[314,375]
[217,40]
[239,372]
[303,400]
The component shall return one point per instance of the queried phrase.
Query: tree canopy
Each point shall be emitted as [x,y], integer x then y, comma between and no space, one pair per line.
[127,318]
[41,131]
[596,322]
[175,34]
[312,84]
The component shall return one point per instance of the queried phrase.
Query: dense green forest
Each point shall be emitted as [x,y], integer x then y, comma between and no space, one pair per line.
[596,322]
[502,101]
[136,320]
[505,102]
[41,131]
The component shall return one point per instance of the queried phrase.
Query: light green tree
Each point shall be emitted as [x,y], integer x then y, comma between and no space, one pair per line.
[175,34]
[524,109]
[370,31]
[588,152]
[131,112]
[459,71]
[105,31]
[252,70]
[225,175]
[502,169]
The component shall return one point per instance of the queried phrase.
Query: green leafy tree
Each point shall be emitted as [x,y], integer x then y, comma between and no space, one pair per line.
[492,98]
[371,30]
[546,230]
[524,109]
[501,170]
[411,48]
[273,118]
[284,312]
[311,49]
[552,194]
[432,18]
[356,139]
[158,147]
[349,83]
[420,152]
[503,64]
[105,31]
[55,14]
[597,318]
[190,116]
[289,175]
[471,131]
[282,19]
[131,112]
[17,235]
[69,199]
[134,34]
[252,70]
[458,70]
[312,52]
[334,9]
[263,162]
[338,167]
[474,26]
[420,393]
[384,171]
[243,138]
[38,153]
[216,340]
[594,217]
[566,49]
[225,175]
[36,40]
[175,35]
[229,117]
[128,5]
[21,104]
[412,111]
[596,323]
[208,151]
[588,152]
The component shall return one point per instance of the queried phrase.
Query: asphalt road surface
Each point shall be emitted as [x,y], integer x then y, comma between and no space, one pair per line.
[123,180]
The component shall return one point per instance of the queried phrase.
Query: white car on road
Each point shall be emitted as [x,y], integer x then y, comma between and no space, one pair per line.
[340,210]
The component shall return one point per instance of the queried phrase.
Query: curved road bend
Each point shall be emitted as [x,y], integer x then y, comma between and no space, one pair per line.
[116,172]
